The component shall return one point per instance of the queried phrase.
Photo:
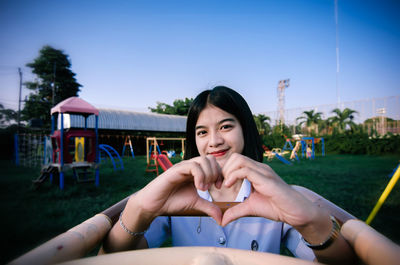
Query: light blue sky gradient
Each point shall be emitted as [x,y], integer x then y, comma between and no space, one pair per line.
[131,54]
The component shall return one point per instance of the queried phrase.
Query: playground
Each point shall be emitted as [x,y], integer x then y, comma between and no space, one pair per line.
[35,215]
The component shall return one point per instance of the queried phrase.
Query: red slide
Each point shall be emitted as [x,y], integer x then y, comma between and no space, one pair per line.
[164,162]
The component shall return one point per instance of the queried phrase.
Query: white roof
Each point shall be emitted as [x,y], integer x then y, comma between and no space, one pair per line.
[128,120]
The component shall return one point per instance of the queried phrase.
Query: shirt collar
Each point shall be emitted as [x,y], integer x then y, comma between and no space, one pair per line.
[243,193]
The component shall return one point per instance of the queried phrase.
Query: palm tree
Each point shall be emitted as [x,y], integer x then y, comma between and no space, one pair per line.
[262,123]
[311,120]
[343,119]
[325,126]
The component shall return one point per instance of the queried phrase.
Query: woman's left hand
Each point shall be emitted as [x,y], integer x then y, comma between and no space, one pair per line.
[271,197]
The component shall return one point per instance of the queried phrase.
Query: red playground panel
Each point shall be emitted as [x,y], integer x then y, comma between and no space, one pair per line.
[69,145]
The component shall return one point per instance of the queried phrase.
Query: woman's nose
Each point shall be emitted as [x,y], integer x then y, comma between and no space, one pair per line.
[216,139]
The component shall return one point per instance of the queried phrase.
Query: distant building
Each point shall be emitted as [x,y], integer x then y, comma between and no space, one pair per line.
[115,125]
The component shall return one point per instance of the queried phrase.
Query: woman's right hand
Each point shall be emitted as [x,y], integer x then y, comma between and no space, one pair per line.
[170,193]
[175,191]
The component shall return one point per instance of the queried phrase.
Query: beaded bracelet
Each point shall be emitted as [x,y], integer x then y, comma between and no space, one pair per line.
[332,236]
[127,230]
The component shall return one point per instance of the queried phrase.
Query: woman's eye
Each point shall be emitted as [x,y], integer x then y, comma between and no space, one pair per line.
[200,133]
[226,127]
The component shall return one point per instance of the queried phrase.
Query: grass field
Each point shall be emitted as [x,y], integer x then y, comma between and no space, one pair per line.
[33,216]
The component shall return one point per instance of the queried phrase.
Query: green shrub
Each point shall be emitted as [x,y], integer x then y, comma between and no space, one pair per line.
[273,140]
[360,143]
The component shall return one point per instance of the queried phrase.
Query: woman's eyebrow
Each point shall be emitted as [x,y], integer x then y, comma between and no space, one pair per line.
[220,122]
[227,119]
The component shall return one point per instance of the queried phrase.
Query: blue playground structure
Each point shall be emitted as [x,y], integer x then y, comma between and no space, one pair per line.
[313,140]
[288,146]
[112,153]
[282,159]
[303,141]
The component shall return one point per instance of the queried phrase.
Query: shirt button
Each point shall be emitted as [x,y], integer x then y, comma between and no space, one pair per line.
[254,245]
[221,240]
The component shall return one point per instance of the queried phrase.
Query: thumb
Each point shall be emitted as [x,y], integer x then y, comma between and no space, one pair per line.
[237,211]
[209,208]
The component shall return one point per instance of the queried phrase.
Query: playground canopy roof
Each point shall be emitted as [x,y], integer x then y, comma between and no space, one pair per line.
[129,120]
[74,105]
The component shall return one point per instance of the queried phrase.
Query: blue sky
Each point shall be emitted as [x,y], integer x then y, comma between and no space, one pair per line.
[131,54]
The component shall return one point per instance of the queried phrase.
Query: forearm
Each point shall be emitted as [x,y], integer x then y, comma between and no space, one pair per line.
[339,252]
[324,233]
[119,239]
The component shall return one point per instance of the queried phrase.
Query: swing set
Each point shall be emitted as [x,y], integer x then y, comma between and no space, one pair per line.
[157,158]
[128,142]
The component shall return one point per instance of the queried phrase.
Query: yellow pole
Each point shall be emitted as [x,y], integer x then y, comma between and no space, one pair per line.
[384,195]
[155,147]
[147,151]
[183,148]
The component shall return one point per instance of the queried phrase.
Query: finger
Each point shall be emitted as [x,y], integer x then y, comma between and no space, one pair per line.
[211,171]
[209,208]
[242,173]
[210,174]
[237,161]
[196,171]
[233,163]
[257,174]
[235,212]
[216,171]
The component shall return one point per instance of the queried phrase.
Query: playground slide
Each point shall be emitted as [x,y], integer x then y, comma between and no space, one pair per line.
[164,162]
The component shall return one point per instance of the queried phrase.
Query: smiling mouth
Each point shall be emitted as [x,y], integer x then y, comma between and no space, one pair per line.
[219,153]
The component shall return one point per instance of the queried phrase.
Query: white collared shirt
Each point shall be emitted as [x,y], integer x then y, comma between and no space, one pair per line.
[248,233]
[243,193]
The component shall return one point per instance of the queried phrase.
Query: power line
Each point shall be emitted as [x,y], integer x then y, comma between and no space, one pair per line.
[337,54]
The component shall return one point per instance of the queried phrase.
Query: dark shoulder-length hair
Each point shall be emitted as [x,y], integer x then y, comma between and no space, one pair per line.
[233,103]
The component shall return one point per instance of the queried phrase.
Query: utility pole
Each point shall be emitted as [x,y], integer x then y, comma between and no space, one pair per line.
[282,85]
[19,98]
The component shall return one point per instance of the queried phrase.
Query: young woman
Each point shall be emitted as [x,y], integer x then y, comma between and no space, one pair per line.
[223,162]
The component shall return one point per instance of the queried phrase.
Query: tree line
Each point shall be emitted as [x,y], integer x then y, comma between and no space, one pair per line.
[55,81]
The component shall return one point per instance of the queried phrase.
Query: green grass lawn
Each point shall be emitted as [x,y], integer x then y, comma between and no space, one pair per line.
[32,216]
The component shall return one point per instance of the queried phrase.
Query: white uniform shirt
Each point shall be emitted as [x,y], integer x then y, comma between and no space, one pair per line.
[248,233]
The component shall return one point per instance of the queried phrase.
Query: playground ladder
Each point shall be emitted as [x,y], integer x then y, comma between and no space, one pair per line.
[152,166]
[82,174]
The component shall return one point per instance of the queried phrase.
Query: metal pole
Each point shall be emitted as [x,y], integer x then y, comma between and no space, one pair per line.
[384,195]
[19,98]
[54,84]
[97,155]
[62,152]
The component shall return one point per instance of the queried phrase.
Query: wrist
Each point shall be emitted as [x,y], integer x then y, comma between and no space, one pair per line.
[329,240]
[318,229]
[134,217]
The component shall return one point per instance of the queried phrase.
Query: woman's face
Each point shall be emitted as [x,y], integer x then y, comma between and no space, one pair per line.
[218,133]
